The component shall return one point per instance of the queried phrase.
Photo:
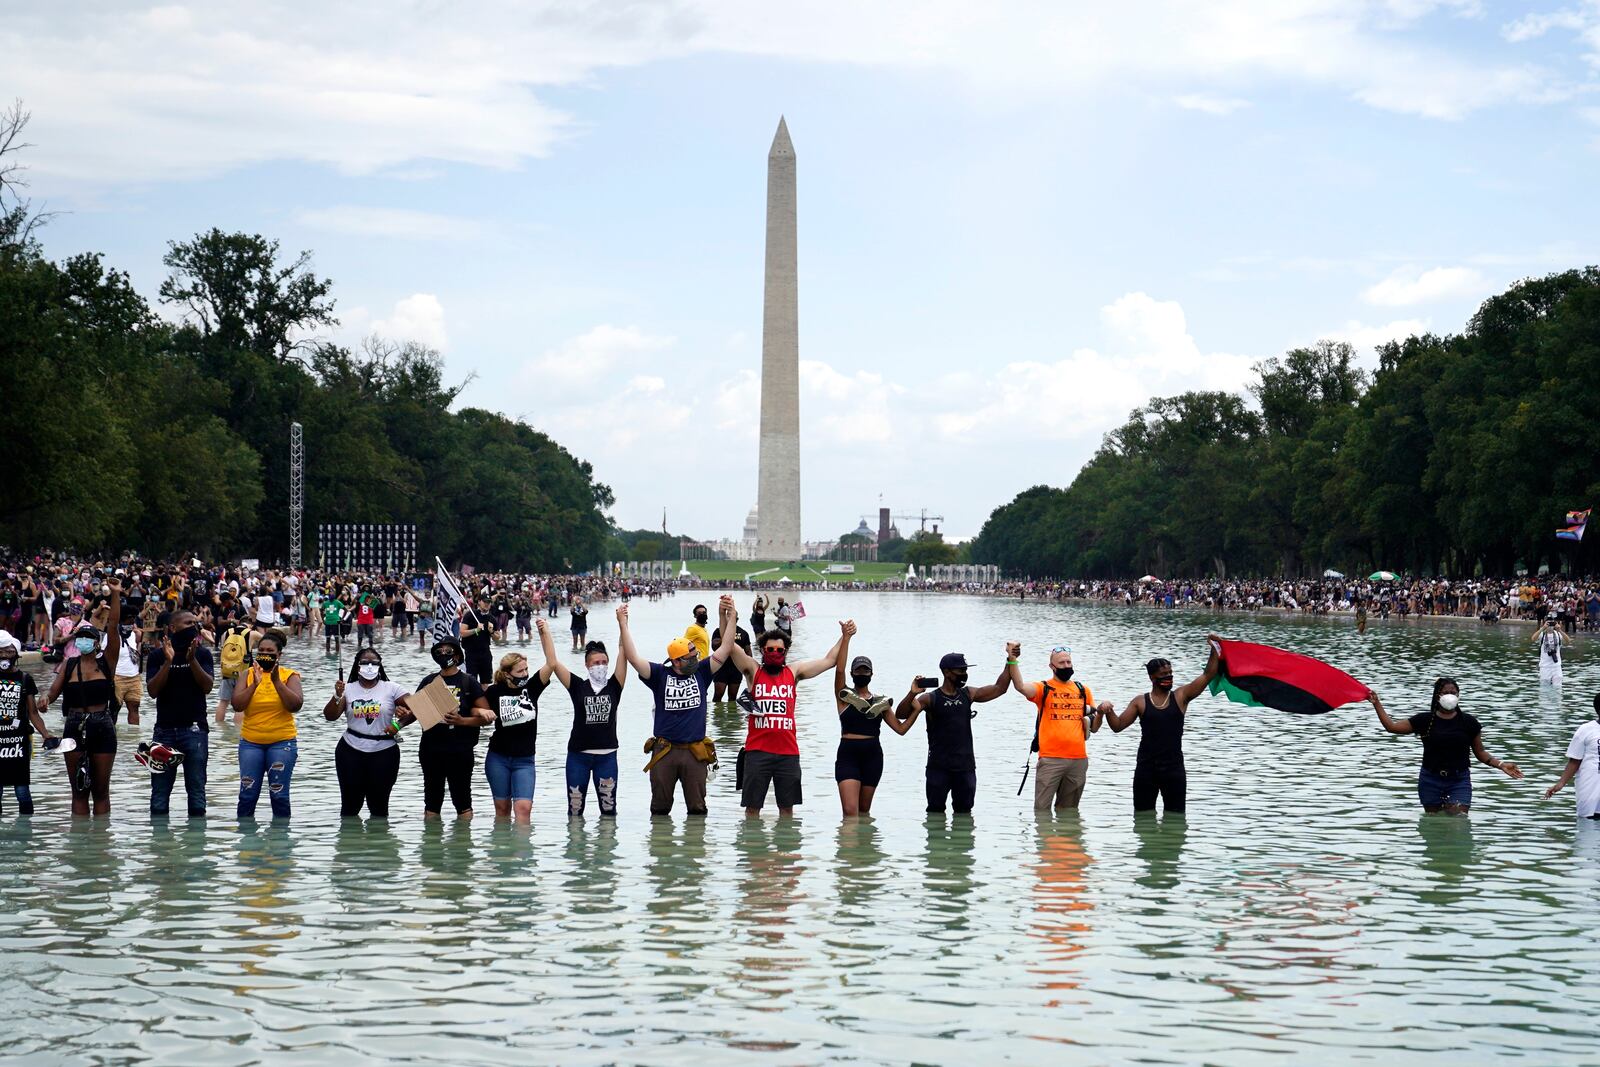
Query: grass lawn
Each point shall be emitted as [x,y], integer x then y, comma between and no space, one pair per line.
[807,573]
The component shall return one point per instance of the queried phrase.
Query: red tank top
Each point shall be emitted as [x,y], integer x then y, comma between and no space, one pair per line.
[771,726]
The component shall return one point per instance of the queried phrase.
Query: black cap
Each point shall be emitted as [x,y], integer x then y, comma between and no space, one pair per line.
[860,661]
[953,661]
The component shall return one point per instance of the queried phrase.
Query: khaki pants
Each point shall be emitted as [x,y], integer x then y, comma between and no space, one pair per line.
[129,689]
[1059,782]
[677,766]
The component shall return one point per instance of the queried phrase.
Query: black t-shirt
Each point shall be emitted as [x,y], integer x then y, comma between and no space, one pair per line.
[445,738]
[15,726]
[476,647]
[950,731]
[1446,743]
[580,619]
[181,703]
[594,715]
[520,708]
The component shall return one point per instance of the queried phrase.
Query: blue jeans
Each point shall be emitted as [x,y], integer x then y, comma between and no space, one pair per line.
[275,762]
[1437,790]
[510,777]
[581,767]
[195,746]
[24,796]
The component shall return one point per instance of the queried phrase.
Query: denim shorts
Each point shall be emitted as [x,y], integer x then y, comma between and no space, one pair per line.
[1434,789]
[510,777]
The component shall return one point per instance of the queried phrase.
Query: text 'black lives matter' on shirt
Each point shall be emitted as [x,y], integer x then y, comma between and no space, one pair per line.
[681,701]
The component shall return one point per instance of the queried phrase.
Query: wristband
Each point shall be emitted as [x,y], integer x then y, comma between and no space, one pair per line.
[1011,663]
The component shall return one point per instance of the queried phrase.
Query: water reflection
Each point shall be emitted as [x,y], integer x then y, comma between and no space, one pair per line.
[1062,904]
[948,864]
[1160,847]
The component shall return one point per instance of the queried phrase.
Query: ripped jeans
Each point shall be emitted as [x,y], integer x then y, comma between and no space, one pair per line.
[584,767]
[275,763]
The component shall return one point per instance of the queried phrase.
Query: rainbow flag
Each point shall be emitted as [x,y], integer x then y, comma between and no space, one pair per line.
[1573,530]
[1263,676]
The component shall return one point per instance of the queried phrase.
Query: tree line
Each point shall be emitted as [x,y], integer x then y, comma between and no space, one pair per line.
[129,430]
[1459,455]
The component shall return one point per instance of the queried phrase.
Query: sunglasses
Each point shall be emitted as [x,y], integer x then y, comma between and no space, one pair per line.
[1062,648]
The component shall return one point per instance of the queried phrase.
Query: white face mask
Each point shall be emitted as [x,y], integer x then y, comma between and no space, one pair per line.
[369,671]
[7,663]
[598,673]
[1448,701]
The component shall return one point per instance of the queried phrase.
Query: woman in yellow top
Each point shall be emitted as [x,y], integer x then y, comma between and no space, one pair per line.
[265,701]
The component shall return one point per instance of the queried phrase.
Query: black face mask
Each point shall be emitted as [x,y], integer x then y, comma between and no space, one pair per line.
[861,680]
[958,678]
[700,617]
[1063,674]
[444,657]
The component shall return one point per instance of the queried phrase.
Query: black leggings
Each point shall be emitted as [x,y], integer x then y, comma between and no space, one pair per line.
[365,778]
[960,786]
[1171,782]
[447,768]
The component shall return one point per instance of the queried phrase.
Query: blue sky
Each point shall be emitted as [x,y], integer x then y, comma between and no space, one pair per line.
[1017,220]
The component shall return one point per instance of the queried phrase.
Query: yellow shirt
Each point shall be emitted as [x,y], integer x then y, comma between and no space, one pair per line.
[696,635]
[266,720]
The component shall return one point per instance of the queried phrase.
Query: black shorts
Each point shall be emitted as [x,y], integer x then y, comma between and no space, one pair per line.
[96,733]
[728,674]
[860,759]
[782,772]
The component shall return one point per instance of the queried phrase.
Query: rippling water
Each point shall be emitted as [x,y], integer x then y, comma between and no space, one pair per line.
[1305,911]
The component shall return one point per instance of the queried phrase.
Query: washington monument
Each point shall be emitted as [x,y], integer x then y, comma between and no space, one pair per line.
[778,491]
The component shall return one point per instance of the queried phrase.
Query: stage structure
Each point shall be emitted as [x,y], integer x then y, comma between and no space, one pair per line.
[297,491]
[387,547]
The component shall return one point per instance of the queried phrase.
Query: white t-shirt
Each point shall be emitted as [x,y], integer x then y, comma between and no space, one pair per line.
[265,612]
[128,656]
[370,711]
[1586,747]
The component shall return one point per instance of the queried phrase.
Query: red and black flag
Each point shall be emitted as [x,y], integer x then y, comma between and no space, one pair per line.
[1263,676]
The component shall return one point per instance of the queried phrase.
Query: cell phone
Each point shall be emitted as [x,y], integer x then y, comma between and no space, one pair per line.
[922,682]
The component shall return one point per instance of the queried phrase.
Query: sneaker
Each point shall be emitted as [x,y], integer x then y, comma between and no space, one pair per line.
[851,698]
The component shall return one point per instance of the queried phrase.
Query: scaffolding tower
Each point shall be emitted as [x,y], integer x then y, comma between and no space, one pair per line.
[297,490]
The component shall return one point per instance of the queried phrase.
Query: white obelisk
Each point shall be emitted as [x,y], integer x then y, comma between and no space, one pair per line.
[778,491]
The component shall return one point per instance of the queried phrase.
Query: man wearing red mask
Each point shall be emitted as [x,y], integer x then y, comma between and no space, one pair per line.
[771,755]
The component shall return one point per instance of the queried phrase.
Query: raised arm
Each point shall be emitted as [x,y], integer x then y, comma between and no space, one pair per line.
[1188,691]
[729,620]
[841,673]
[552,665]
[910,706]
[114,623]
[1394,726]
[1014,672]
[630,654]
[812,667]
[986,693]
[335,705]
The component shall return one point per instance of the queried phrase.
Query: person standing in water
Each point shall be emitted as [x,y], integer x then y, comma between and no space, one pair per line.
[1583,764]
[952,772]
[19,720]
[858,763]
[1066,716]
[89,706]
[592,744]
[447,751]
[680,751]
[772,745]
[1549,638]
[1448,736]
[367,757]
[1158,769]
[514,699]
[265,703]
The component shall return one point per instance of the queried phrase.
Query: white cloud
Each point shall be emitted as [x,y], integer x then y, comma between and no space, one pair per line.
[418,317]
[359,221]
[1407,286]
[590,361]
[1365,338]
[1210,105]
[1148,352]
[841,410]
[183,90]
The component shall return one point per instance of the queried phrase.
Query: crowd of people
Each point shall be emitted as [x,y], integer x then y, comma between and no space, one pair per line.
[1573,602]
[205,643]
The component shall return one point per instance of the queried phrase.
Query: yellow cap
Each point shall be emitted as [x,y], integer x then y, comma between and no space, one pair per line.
[678,648]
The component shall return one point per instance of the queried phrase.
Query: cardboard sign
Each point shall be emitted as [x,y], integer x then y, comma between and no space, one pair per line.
[430,703]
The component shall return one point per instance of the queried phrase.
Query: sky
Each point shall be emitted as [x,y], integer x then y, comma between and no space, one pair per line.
[1018,221]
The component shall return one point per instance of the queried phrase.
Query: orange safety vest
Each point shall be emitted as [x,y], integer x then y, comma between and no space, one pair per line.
[1063,722]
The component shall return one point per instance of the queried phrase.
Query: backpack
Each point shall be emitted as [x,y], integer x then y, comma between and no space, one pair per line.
[235,650]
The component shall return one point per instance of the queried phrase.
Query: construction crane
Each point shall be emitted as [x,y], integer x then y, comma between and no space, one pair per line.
[922,518]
